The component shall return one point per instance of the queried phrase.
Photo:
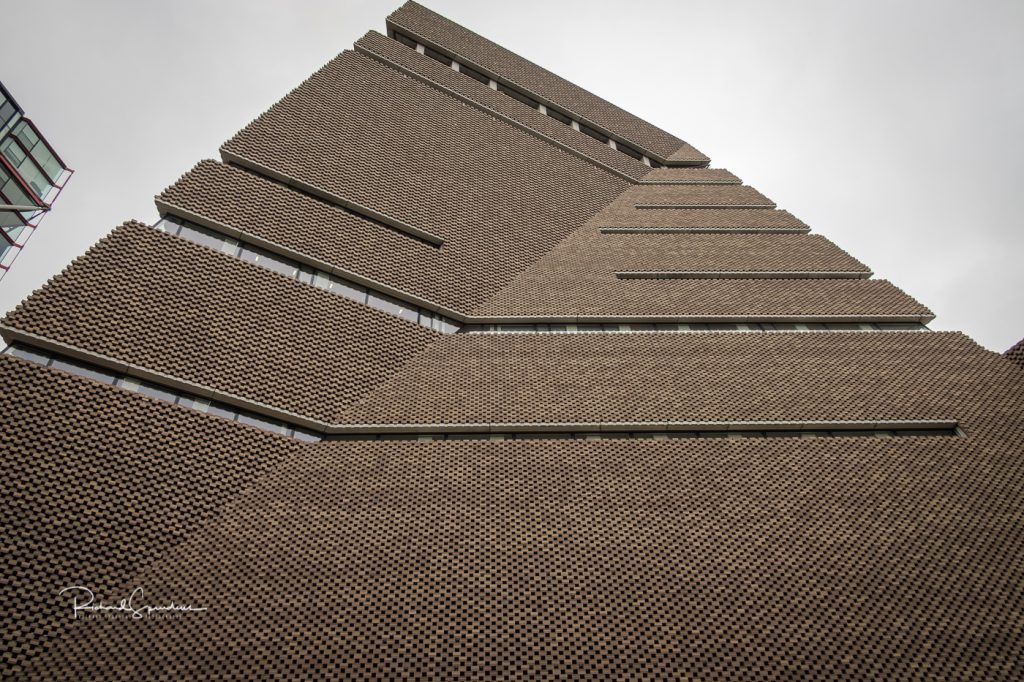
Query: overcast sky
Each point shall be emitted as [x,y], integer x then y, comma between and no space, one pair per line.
[893,128]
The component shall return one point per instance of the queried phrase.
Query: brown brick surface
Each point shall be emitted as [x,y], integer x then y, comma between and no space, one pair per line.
[646,377]
[606,295]
[590,251]
[841,559]
[463,273]
[1016,353]
[167,305]
[691,195]
[691,175]
[381,47]
[511,67]
[769,558]
[578,278]
[687,155]
[95,484]
[432,162]
[760,218]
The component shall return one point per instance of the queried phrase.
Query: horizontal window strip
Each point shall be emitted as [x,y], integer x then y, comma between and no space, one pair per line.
[701,206]
[521,96]
[901,432]
[693,327]
[745,274]
[164,393]
[306,274]
[705,230]
[537,431]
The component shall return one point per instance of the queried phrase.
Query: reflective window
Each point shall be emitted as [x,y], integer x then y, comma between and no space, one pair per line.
[32,159]
[391,305]
[153,391]
[80,369]
[201,237]
[15,233]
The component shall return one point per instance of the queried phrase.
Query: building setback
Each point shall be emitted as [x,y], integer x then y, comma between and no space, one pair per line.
[451,368]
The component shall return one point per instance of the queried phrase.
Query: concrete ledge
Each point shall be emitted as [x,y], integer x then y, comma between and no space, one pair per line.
[705,230]
[495,113]
[231,157]
[677,206]
[12,335]
[167,208]
[624,318]
[741,274]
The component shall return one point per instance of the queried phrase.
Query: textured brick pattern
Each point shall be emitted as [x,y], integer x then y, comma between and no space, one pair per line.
[691,175]
[607,295]
[621,215]
[167,305]
[1016,353]
[534,79]
[578,278]
[432,162]
[597,377]
[464,272]
[692,195]
[590,251]
[788,558]
[381,47]
[97,483]
[831,559]
[687,155]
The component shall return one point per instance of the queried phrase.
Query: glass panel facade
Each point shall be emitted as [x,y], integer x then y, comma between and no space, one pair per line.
[38,150]
[26,167]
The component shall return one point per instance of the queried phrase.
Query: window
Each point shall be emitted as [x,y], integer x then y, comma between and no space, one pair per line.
[629,151]
[586,130]
[405,40]
[437,56]
[304,273]
[474,74]
[559,116]
[522,97]
[516,95]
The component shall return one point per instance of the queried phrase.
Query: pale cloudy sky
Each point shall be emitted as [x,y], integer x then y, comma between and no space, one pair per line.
[892,127]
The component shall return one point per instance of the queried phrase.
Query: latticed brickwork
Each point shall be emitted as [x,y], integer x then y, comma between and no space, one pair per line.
[420,21]
[177,308]
[96,484]
[793,555]
[709,559]
[608,378]
[392,52]
[1016,353]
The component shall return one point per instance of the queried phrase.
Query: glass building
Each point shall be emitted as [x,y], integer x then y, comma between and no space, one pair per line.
[32,174]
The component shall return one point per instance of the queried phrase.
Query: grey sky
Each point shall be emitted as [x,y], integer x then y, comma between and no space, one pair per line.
[893,128]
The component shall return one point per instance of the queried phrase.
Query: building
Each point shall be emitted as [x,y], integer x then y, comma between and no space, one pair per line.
[449,367]
[31,177]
